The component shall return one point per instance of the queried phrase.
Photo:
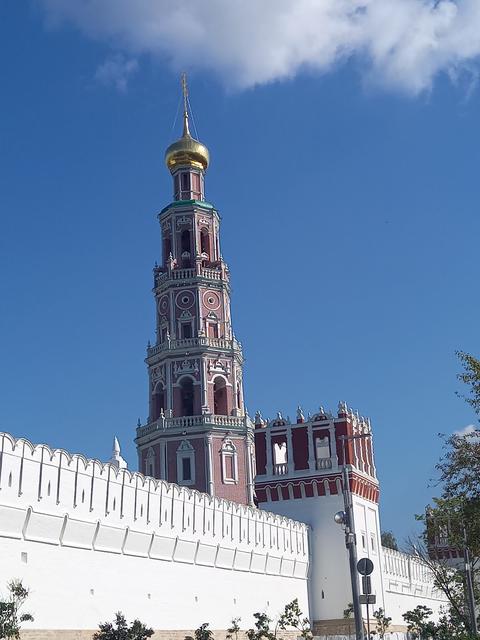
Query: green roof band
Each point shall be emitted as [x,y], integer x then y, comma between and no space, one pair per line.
[182,203]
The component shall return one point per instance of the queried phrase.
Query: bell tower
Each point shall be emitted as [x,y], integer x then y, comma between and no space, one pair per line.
[198,433]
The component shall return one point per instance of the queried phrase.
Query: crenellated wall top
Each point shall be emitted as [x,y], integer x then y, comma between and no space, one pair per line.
[48,479]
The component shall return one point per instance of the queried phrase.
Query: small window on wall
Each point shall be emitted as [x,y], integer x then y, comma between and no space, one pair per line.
[373,543]
[364,541]
[185,463]
[229,462]
[186,469]
[229,468]
[212,330]
[186,330]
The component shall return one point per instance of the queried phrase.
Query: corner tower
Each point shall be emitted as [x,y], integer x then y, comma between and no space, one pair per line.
[198,433]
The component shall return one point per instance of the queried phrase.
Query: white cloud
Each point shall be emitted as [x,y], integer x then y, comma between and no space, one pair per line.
[471,431]
[116,70]
[404,44]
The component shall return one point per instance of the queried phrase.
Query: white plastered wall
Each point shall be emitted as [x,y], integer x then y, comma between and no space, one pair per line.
[89,540]
[399,583]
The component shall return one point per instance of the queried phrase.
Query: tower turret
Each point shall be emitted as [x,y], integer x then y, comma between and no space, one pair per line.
[198,433]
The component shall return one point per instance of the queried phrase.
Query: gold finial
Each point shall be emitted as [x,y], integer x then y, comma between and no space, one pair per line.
[186,129]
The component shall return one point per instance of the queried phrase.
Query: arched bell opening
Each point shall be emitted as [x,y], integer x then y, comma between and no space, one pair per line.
[205,243]
[186,397]
[186,248]
[158,401]
[220,405]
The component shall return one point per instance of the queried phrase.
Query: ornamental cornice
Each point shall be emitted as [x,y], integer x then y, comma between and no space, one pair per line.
[201,345]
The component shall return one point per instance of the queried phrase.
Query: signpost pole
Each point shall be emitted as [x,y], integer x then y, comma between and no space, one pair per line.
[351,544]
[368,620]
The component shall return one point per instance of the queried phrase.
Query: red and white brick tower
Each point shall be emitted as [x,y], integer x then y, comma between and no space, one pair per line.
[197,433]
[299,474]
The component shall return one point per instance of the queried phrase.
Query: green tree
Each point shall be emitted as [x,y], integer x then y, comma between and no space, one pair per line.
[471,377]
[446,578]
[262,628]
[202,633]
[452,522]
[382,622]
[292,616]
[389,540]
[348,612]
[233,631]
[120,630]
[10,616]
[418,623]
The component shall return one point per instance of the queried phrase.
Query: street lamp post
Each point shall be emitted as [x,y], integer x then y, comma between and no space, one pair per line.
[346,518]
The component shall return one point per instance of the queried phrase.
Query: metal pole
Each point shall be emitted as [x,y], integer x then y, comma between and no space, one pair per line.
[351,544]
[469,587]
[368,620]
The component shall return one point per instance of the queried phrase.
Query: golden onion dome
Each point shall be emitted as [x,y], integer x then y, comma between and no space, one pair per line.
[187,151]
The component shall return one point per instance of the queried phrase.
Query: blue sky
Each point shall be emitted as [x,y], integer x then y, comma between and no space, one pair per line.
[349,197]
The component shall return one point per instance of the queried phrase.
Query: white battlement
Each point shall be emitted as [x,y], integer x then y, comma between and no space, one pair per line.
[73,501]
[405,572]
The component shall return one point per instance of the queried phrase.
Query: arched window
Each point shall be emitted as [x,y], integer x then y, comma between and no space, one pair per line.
[176,187]
[185,181]
[185,240]
[158,401]
[185,243]
[196,186]
[186,397]
[205,242]
[167,248]
[220,406]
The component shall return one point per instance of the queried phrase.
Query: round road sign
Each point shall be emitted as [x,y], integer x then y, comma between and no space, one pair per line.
[365,566]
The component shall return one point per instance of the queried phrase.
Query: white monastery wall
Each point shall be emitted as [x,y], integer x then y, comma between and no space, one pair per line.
[399,581]
[407,583]
[89,540]
[329,588]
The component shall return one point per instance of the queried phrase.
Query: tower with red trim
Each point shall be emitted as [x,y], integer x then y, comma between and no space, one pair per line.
[197,433]
[299,474]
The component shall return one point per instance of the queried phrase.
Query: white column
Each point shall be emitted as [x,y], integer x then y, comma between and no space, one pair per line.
[268,448]
[235,408]
[249,471]
[204,385]
[209,465]
[311,448]
[290,459]
[168,372]
[333,446]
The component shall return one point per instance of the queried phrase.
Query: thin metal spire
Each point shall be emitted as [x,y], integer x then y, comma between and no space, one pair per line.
[186,129]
